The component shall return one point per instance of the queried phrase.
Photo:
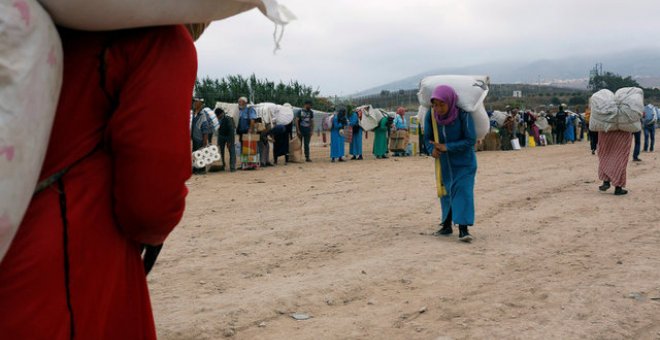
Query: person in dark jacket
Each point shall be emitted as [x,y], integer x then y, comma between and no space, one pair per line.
[226,139]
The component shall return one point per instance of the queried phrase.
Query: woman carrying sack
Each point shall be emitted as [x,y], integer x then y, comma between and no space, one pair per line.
[450,136]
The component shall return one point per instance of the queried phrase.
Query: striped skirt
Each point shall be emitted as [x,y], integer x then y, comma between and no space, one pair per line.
[613,155]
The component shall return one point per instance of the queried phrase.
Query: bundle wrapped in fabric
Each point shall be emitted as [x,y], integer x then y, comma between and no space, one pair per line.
[282,114]
[542,123]
[265,111]
[231,110]
[212,118]
[471,91]
[617,112]
[326,123]
[104,15]
[371,117]
[347,133]
[30,82]
[499,117]
[399,141]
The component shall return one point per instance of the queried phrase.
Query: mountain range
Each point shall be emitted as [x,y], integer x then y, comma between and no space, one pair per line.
[573,72]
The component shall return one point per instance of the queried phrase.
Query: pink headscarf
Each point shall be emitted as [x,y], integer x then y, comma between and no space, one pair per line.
[401,111]
[447,95]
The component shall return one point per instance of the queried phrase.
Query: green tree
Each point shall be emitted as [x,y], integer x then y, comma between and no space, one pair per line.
[610,81]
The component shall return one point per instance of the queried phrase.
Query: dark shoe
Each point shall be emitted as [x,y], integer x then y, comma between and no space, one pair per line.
[604,187]
[636,160]
[308,160]
[341,159]
[360,158]
[333,160]
[232,170]
[384,157]
[593,152]
[464,234]
[222,168]
[353,158]
[620,191]
[444,231]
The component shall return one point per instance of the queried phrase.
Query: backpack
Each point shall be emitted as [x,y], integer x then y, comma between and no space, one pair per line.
[650,115]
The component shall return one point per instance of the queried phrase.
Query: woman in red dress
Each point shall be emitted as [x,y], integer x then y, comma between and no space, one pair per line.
[115,172]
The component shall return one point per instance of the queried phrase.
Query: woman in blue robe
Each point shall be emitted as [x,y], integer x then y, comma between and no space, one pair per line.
[336,139]
[458,161]
[356,142]
[569,133]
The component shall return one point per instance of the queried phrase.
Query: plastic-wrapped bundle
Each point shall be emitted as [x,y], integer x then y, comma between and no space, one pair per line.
[370,117]
[30,81]
[617,112]
[471,91]
[104,15]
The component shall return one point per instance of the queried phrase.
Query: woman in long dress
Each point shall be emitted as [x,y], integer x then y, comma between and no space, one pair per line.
[356,142]
[380,139]
[613,155]
[337,149]
[454,146]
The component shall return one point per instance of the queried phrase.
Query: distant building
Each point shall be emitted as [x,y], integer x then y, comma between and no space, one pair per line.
[517,94]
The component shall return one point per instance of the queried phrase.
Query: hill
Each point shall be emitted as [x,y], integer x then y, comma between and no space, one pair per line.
[571,72]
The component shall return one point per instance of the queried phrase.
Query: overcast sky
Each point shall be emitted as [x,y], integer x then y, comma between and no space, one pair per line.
[345,46]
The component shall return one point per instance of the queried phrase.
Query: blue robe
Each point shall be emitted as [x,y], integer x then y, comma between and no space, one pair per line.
[459,166]
[336,139]
[356,143]
[569,133]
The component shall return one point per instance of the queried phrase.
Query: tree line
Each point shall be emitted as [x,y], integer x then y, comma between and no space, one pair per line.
[232,87]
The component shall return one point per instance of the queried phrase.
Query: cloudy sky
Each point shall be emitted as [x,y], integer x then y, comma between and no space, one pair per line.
[345,46]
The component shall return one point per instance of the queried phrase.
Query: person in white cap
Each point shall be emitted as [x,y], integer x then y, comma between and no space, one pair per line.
[247,117]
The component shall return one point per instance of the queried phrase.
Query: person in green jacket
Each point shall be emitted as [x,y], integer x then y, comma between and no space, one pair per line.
[380,141]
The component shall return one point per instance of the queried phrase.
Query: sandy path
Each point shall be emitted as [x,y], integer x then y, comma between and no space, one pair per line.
[349,244]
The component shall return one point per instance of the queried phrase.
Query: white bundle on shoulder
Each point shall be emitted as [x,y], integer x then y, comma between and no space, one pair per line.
[471,91]
[105,15]
[30,81]
[620,111]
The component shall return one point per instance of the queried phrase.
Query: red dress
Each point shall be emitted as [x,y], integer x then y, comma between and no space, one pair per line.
[74,268]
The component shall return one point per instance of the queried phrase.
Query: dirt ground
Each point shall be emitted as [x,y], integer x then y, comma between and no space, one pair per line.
[350,245]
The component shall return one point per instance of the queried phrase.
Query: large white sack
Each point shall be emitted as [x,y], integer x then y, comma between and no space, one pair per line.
[30,81]
[105,15]
[371,117]
[617,112]
[265,111]
[283,114]
[471,90]
[479,117]
[499,117]
[542,123]
[231,109]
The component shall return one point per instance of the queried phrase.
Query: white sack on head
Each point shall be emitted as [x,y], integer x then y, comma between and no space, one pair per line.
[617,112]
[471,90]
[30,81]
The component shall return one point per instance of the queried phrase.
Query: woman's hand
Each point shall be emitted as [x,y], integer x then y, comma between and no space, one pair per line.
[440,147]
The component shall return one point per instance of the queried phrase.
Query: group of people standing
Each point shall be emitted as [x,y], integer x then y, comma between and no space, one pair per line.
[249,126]
[562,127]
[344,124]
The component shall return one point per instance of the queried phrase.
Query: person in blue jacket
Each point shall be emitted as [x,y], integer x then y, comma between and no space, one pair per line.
[356,142]
[455,149]
[337,149]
